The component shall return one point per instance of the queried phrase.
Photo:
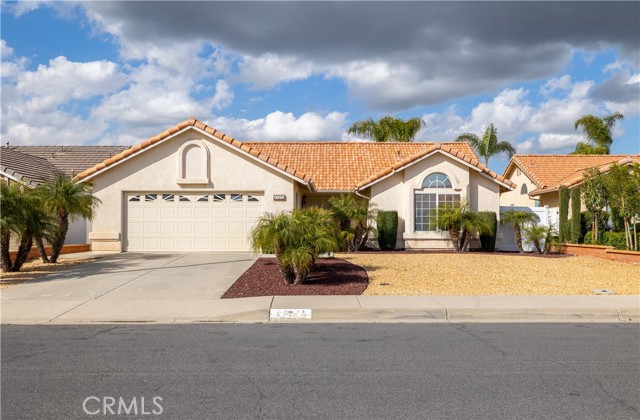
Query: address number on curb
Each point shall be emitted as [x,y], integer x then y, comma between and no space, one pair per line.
[276,314]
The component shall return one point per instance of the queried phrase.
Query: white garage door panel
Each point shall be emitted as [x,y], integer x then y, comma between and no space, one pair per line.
[191,221]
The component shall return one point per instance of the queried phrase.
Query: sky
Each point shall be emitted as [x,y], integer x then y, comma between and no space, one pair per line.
[104,72]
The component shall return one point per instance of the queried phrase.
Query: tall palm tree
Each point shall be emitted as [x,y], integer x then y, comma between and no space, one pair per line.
[488,145]
[519,219]
[388,129]
[67,200]
[598,133]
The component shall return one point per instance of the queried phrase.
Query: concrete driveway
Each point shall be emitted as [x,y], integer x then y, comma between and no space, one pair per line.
[132,287]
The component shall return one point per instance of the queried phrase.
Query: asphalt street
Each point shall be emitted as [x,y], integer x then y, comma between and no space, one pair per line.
[323,371]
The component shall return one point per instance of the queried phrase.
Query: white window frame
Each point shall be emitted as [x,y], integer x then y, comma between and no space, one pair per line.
[439,193]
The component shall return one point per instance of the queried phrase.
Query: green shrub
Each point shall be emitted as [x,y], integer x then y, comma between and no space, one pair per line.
[588,239]
[563,192]
[615,239]
[576,233]
[387,222]
[582,231]
[488,239]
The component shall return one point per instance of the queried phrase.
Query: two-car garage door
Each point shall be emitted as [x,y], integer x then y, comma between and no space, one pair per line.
[179,221]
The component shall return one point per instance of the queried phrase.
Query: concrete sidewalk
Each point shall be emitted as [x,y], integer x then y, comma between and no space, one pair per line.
[328,309]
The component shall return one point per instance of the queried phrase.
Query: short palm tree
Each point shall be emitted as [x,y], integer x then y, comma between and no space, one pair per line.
[598,133]
[66,200]
[388,129]
[488,145]
[24,217]
[449,219]
[539,236]
[355,216]
[519,219]
[472,224]
[297,238]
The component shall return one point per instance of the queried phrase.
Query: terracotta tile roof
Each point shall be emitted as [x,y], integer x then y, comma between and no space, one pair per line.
[71,160]
[341,166]
[328,166]
[548,170]
[31,170]
[192,122]
[577,176]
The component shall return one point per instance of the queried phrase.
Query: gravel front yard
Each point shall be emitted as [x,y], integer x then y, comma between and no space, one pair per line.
[493,274]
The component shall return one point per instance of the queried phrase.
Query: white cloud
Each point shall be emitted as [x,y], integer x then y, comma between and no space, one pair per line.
[547,126]
[556,84]
[62,80]
[269,70]
[281,126]
[553,141]
[224,95]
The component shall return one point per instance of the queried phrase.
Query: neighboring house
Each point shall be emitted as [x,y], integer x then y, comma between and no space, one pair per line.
[34,165]
[195,188]
[540,176]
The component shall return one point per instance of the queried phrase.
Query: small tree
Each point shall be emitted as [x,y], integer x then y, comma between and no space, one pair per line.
[575,215]
[623,197]
[355,217]
[594,196]
[297,238]
[539,236]
[23,215]
[67,201]
[449,219]
[563,193]
[518,219]
[460,223]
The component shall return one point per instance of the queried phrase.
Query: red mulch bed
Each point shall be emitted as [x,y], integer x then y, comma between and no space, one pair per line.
[329,276]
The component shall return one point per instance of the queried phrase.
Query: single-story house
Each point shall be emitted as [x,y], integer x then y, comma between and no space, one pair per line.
[193,187]
[540,176]
[33,165]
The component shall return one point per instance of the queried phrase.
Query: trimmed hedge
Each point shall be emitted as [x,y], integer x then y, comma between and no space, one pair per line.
[488,239]
[563,192]
[576,224]
[614,239]
[387,229]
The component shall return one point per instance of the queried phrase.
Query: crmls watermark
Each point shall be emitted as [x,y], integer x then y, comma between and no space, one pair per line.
[122,406]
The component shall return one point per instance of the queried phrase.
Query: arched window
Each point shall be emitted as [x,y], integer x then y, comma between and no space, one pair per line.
[437,192]
[193,163]
[437,180]
[523,189]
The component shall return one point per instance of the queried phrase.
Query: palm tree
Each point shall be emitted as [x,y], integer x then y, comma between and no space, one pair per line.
[355,217]
[598,133]
[518,219]
[536,234]
[388,129]
[270,236]
[24,216]
[489,145]
[297,238]
[66,200]
[471,225]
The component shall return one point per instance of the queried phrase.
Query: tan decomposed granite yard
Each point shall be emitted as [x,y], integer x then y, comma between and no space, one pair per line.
[490,274]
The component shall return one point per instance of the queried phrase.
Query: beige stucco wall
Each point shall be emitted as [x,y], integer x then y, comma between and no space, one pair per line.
[515,197]
[397,193]
[157,168]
